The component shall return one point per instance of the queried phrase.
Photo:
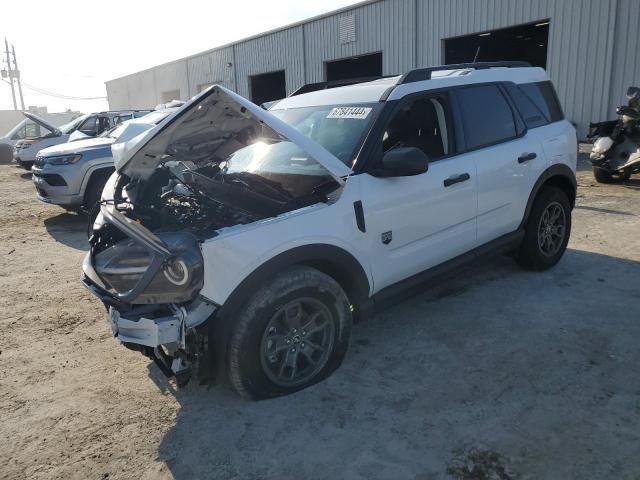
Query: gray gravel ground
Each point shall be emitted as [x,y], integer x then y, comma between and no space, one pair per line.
[498,374]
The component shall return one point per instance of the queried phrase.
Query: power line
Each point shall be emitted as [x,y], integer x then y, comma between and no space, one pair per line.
[58,95]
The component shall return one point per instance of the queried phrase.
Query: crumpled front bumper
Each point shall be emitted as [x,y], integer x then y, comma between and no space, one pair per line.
[166,330]
[162,326]
[144,325]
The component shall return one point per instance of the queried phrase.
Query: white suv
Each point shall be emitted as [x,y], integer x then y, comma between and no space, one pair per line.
[245,242]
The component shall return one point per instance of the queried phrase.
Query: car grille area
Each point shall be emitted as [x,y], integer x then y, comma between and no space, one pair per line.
[52,179]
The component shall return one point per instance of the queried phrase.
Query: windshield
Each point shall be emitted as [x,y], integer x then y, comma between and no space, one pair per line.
[73,124]
[152,118]
[338,128]
[114,132]
[27,129]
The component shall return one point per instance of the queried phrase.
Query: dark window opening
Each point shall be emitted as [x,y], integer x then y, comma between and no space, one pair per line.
[267,87]
[526,43]
[487,117]
[422,123]
[363,67]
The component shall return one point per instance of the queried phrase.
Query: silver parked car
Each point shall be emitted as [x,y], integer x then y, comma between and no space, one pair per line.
[73,174]
[87,126]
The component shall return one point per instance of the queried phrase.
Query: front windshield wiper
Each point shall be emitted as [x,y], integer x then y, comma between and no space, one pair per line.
[319,194]
[260,185]
[248,202]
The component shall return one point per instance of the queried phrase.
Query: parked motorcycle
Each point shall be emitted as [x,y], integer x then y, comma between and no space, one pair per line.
[615,155]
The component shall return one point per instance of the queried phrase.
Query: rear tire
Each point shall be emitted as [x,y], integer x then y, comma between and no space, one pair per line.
[602,176]
[547,230]
[292,333]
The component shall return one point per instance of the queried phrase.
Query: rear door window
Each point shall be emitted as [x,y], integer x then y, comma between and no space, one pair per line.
[487,118]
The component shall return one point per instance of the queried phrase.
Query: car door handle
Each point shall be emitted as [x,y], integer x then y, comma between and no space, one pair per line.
[463,177]
[525,157]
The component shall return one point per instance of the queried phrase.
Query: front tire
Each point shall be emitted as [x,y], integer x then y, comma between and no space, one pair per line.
[547,230]
[292,333]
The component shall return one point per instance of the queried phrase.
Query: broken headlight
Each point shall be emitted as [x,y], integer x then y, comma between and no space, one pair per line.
[126,265]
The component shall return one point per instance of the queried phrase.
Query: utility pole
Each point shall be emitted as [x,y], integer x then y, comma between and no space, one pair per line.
[10,75]
[16,72]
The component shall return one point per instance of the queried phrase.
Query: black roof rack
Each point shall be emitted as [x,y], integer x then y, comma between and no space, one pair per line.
[421,74]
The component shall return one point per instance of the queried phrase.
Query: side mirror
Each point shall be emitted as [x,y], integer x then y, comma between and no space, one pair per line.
[404,162]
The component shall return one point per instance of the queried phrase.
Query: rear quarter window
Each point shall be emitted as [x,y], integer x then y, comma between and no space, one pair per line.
[487,118]
[543,96]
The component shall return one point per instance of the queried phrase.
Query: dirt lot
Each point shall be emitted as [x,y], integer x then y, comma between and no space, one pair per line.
[502,374]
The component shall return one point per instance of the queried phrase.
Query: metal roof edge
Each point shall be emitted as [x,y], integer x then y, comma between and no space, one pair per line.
[253,37]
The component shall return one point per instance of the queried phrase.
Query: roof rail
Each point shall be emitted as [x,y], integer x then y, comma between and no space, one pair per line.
[314,87]
[421,74]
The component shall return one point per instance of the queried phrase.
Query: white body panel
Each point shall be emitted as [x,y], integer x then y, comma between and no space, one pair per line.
[230,257]
[504,184]
[429,223]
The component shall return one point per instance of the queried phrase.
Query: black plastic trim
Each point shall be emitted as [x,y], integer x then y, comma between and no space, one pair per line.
[413,285]
[359,211]
[324,257]
[557,170]
[422,74]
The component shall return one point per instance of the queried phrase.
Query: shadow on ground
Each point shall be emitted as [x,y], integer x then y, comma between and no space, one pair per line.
[69,229]
[500,373]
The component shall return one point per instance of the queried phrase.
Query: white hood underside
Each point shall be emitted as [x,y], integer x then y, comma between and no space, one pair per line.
[219,115]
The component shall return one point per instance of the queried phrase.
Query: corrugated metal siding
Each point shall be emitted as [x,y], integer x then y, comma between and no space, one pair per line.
[593,49]
[626,53]
[172,76]
[211,68]
[277,51]
[118,94]
[578,62]
[385,26]
[140,94]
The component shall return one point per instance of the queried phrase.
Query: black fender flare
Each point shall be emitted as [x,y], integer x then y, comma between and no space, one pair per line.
[558,174]
[330,259]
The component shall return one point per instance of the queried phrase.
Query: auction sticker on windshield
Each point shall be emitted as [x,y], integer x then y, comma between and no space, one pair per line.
[356,113]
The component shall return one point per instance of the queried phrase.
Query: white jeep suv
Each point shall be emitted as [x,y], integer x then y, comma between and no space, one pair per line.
[238,241]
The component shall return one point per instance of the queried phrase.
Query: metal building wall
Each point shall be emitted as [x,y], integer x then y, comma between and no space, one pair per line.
[581,40]
[281,50]
[210,68]
[118,93]
[592,52]
[172,76]
[626,53]
[385,26]
[142,90]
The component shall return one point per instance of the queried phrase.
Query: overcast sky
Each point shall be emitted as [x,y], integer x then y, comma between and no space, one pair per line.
[73,47]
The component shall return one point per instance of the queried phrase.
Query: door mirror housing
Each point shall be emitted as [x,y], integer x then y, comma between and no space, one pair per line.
[403,162]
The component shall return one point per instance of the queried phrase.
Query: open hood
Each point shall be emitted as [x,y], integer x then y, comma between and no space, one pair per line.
[40,121]
[217,119]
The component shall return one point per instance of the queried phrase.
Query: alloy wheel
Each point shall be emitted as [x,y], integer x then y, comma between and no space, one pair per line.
[552,229]
[297,342]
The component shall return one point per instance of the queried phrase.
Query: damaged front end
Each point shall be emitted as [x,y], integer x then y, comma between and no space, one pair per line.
[150,285]
[219,162]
